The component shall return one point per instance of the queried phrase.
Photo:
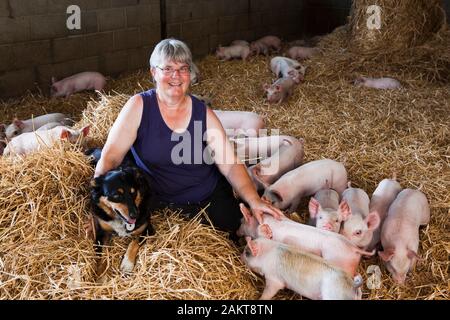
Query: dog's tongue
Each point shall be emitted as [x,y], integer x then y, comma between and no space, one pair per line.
[131,221]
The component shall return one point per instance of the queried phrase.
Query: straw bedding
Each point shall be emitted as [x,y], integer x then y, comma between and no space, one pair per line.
[44,198]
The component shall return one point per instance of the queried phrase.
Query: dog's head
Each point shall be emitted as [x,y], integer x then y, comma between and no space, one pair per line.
[119,194]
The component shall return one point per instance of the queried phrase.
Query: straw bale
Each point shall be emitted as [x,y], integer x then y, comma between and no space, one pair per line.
[404,24]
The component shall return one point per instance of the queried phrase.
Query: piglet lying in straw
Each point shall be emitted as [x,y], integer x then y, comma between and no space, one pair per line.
[32,141]
[284,266]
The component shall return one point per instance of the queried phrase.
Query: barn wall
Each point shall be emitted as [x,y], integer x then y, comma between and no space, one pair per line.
[118,35]
[206,24]
[35,43]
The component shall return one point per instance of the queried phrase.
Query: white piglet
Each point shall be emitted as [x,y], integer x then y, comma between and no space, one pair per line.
[32,141]
[361,223]
[284,266]
[400,232]
[306,180]
[18,127]
[326,212]
[284,67]
[383,196]
[78,82]
[378,83]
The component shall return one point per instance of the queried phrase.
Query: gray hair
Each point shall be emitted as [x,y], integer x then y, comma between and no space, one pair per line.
[170,50]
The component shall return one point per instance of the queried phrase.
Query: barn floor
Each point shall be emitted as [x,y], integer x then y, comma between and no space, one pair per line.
[374,133]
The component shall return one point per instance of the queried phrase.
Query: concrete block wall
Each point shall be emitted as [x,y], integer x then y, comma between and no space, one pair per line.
[204,24]
[35,43]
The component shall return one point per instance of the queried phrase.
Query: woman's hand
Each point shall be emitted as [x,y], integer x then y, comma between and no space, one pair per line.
[259,207]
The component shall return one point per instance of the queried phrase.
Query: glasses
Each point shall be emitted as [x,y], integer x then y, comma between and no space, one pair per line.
[168,71]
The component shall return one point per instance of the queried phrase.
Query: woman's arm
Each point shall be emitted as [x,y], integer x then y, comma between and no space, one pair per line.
[232,168]
[121,136]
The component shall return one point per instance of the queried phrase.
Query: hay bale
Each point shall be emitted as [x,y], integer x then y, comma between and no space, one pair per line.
[404,24]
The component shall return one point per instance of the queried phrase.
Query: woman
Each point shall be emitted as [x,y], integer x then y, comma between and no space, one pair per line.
[170,135]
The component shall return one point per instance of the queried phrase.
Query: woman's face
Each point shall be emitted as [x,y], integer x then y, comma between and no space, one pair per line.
[172,78]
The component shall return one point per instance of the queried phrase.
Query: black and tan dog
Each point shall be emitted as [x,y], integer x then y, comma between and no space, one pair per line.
[121,201]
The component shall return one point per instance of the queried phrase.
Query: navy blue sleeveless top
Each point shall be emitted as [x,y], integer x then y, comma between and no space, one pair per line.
[175,163]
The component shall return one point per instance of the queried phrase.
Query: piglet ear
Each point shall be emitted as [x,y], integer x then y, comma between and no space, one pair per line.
[413,255]
[65,134]
[85,130]
[18,123]
[344,210]
[245,212]
[313,207]
[256,172]
[373,220]
[53,80]
[387,254]
[252,246]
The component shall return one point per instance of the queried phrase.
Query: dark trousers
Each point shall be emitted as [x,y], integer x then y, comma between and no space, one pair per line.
[223,209]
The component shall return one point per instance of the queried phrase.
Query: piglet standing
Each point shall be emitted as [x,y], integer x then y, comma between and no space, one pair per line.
[280,90]
[284,67]
[360,224]
[78,82]
[378,83]
[231,52]
[326,212]
[289,156]
[400,232]
[306,180]
[264,44]
[383,196]
[32,141]
[301,53]
[284,266]
[18,127]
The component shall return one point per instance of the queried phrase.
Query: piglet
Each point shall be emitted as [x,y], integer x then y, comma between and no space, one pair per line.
[306,180]
[236,51]
[252,149]
[301,53]
[333,247]
[20,126]
[264,44]
[284,266]
[280,90]
[289,156]
[78,82]
[326,212]
[378,83]
[285,67]
[31,141]
[360,224]
[383,196]
[400,232]
[238,123]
